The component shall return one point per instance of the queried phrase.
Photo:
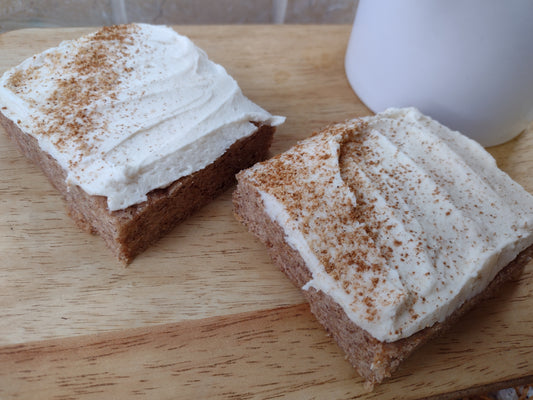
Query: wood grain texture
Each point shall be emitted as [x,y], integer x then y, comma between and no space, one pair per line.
[204,313]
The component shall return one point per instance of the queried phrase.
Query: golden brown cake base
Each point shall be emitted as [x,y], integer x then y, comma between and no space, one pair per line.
[130,231]
[374,360]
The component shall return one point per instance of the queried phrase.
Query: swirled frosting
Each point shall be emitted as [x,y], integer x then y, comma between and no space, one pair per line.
[399,219]
[128,109]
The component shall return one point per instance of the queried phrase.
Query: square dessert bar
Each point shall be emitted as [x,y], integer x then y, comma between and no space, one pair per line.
[135,127]
[392,225]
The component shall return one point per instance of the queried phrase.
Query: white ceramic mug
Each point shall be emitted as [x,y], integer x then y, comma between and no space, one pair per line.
[466,63]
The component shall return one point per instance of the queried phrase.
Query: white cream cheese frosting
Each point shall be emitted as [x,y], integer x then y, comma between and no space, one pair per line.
[129,109]
[399,219]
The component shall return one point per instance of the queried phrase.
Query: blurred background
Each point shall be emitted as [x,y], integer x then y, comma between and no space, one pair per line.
[17,14]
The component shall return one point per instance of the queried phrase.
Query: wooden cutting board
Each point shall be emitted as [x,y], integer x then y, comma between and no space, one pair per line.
[204,313]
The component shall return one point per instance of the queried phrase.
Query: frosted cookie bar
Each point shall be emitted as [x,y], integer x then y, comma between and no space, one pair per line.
[392,225]
[136,128]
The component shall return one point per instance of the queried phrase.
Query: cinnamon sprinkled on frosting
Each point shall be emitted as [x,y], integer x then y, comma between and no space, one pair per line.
[398,218]
[92,73]
[129,109]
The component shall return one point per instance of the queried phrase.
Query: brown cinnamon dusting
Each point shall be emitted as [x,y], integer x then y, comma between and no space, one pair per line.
[16,79]
[356,243]
[297,178]
[92,73]
[350,241]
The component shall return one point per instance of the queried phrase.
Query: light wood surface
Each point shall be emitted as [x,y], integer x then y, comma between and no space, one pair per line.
[204,313]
